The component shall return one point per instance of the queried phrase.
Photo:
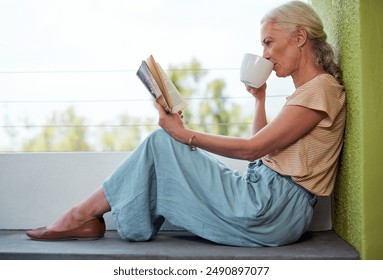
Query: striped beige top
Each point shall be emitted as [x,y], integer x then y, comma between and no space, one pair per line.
[312,161]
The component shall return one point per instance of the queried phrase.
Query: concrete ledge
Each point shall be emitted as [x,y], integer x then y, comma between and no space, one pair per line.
[36,188]
[176,245]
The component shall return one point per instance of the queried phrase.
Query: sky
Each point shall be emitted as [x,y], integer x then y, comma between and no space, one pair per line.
[86,52]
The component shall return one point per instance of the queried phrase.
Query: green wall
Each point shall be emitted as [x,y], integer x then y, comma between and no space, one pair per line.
[355,27]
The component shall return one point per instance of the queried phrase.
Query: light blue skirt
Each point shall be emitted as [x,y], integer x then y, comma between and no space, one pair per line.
[163,179]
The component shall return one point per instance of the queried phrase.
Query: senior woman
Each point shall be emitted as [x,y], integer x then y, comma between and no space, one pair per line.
[293,158]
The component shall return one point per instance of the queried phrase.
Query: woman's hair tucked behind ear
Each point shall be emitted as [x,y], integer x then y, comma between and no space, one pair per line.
[295,15]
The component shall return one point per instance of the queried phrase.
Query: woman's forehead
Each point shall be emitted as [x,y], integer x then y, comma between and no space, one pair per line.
[271,29]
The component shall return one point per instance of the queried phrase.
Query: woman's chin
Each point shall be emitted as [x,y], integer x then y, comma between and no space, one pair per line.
[280,74]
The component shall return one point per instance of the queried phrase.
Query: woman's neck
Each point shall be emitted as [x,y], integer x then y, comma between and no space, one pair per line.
[306,69]
[306,76]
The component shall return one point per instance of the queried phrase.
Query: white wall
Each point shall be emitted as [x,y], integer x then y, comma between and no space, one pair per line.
[35,188]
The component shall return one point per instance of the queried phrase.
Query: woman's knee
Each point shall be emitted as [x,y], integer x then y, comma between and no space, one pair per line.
[159,135]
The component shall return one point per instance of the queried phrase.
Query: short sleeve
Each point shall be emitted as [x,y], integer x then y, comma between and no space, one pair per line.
[324,94]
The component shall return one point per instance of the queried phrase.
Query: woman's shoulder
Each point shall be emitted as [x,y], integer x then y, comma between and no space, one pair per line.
[322,93]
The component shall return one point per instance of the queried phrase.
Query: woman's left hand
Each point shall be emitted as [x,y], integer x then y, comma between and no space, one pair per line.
[171,123]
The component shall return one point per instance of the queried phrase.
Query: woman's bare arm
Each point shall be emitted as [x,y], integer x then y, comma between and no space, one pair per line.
[290,125]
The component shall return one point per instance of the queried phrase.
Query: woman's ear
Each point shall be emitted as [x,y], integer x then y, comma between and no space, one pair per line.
[301,37]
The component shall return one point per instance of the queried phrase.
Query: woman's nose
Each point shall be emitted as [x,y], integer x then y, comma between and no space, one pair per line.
[266,53]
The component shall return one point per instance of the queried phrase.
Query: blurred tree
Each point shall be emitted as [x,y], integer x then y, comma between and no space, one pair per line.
[63,131]
[123,137]
[218,115]
[187,77]
[213,113]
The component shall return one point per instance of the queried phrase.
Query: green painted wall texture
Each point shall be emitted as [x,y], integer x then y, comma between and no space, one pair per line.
[372,124]
[355,27]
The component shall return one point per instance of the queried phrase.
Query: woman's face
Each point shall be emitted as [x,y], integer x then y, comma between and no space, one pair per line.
[281,48]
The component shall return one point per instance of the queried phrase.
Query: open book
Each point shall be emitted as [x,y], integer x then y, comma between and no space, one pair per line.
[160,86]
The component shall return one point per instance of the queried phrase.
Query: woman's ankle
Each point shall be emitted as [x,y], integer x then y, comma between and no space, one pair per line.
[69,220]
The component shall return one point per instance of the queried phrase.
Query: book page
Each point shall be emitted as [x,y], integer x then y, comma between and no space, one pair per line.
[153,67]
[178,102]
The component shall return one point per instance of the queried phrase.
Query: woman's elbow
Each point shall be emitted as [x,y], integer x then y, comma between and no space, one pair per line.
[252,157]
[251,153]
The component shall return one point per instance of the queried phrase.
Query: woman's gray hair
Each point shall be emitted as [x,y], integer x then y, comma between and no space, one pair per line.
[296,14]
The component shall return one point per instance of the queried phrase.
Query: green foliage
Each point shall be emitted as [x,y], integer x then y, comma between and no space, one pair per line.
[63,132]
[124,137]
[214,113]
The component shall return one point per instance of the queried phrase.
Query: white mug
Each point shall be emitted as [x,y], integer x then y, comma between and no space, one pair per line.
[255,70]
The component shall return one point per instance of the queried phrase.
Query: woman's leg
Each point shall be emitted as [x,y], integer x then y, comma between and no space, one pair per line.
[192,190]
[164,179]
[91,208]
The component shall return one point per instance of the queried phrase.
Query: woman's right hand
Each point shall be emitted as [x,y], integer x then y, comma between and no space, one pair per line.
[258,93]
